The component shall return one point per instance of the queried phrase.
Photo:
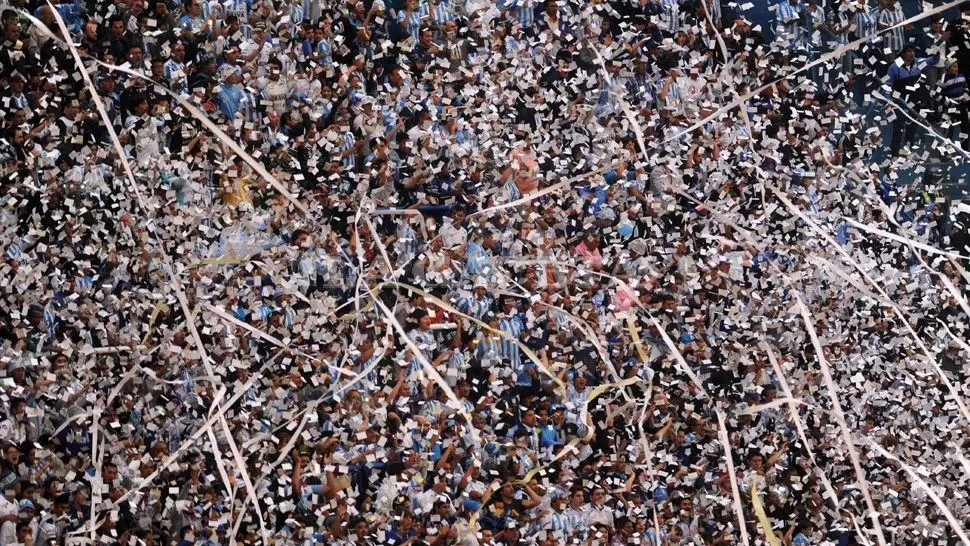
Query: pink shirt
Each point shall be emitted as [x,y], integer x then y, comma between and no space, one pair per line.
[592,256]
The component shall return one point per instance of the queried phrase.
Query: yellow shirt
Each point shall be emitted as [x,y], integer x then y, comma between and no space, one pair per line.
[236,193]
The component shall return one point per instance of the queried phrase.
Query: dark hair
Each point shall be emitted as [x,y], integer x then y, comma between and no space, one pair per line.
[16,401]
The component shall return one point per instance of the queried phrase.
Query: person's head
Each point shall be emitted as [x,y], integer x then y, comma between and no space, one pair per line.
[275,69]
[207,65]
[355,82]
[373,434]
[11,455]
[509,306]
[756,461]
[463,388]
[908,54]
[90,30]
[425,322]
[442,509]
[231,56]
[80,497]
[11,31]
[529,418]
[440,484]
[624,526]
[451,28]
[488,239]
[406,521]
[193,7]
[25,534]
[358,528]
[326,93]
[542,415]
[209,495]
[178,51]
[107,83]
[953,68]
[576,497]
[45,15]
[232,23]
[768,394]
[506,493]
[559,501]
[18,137]
[425,37]
[159,450]
[458,215]
[109,472]
[18,406]
[16,84]
[116,27]
[158,68]
[140,106]
[396,76]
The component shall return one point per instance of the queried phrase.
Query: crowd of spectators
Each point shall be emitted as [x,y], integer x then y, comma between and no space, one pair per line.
[445,272]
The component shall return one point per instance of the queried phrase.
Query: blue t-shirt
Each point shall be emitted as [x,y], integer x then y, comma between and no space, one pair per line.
[229,100]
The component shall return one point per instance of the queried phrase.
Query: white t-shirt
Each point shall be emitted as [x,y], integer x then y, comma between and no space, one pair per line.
[145,136]
[452,236]
[12,431]
[8,531]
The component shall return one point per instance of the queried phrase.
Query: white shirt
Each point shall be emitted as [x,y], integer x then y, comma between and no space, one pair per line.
[12,431]
[247,47]
[8,531]
[276,93]
[601,516]
[146,137]
[452,236]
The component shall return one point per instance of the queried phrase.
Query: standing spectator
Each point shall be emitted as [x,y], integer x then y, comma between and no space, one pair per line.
[934,47]
[866,60]
[954,103]
[175,70]
[903,79]
[788,16]
[891,28]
